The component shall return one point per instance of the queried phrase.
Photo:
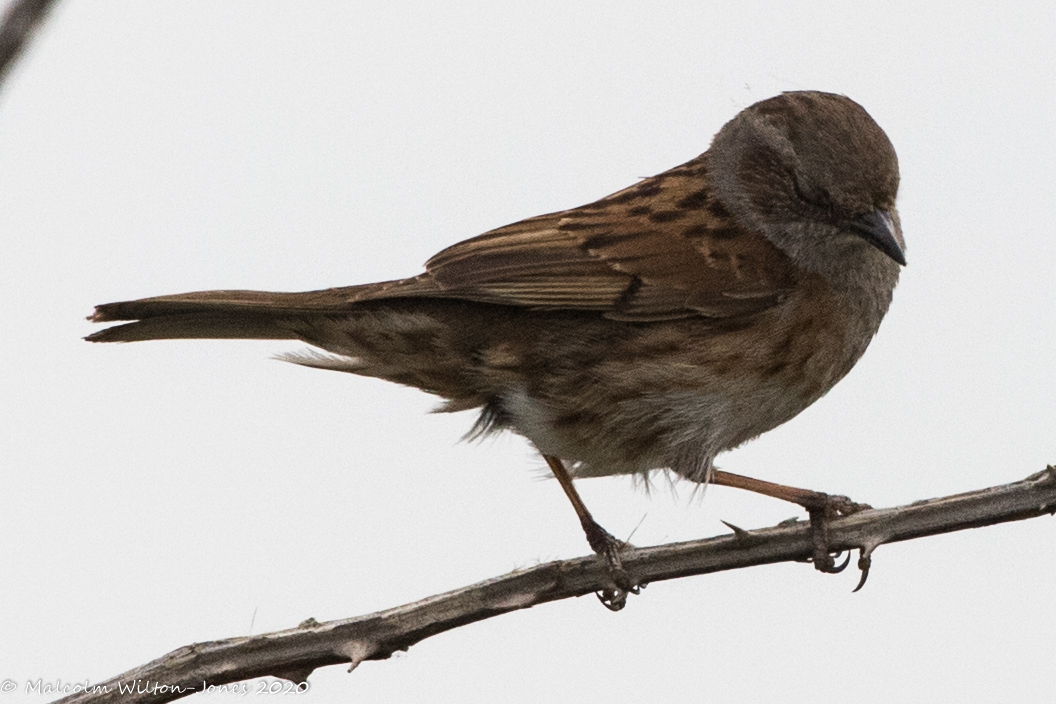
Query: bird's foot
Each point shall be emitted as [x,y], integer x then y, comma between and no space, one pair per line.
[822,508]
[609,547]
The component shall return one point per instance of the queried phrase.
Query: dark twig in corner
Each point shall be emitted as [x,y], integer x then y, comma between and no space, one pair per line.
[16,28]
[295,653]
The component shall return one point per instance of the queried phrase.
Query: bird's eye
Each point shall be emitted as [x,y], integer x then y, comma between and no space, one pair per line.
[817,197]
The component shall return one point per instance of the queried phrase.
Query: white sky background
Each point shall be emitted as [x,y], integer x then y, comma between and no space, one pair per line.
[159,494]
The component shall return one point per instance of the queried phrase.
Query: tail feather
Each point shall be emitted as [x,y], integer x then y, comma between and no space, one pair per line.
[215,314]
[208,301]
[210,326]
[374,330]
[261,315]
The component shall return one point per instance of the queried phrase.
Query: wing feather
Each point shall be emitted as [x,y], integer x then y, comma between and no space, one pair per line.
[661,249]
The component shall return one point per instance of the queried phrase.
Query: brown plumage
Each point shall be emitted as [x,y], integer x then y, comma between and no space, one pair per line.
[653,328]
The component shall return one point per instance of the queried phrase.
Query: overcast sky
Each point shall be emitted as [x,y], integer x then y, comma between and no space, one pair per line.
[165,493]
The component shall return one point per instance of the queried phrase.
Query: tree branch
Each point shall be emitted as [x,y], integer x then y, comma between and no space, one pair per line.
[16,29]
[293,654]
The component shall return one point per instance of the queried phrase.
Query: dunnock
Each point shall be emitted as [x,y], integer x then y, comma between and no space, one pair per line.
[654,328]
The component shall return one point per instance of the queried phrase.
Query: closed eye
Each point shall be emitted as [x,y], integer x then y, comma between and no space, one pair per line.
[816,197]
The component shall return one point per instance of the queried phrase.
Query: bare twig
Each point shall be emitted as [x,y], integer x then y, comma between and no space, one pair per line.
[16,28]
[293,654]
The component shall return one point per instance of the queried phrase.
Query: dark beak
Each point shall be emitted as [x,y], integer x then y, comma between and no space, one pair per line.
[878,229]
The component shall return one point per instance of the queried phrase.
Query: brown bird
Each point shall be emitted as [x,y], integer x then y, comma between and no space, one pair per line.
[651,329]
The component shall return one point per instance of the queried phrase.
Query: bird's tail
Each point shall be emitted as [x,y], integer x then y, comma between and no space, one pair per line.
[258,315]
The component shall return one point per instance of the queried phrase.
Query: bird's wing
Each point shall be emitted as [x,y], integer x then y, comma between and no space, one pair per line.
[661,249]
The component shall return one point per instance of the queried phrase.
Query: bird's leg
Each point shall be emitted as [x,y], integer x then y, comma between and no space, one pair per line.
[601,541]
[820,506]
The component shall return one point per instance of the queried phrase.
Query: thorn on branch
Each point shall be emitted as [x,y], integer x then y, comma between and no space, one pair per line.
[740,535]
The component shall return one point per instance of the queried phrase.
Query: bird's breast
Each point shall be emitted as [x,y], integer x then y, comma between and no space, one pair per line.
[674,394]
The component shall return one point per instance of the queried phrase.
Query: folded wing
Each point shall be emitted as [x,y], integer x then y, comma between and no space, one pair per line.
[661,249]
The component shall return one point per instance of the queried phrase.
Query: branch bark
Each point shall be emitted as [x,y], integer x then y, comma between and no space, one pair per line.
[293,654]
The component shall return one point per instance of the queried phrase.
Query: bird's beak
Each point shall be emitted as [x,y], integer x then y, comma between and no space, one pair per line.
[878,228]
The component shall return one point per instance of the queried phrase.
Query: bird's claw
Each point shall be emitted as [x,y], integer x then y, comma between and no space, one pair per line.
[843,506]
[827,563]
[864,563]
[608,546]
[828,508]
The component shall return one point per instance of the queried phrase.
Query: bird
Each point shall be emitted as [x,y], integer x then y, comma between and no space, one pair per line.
[651,329]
